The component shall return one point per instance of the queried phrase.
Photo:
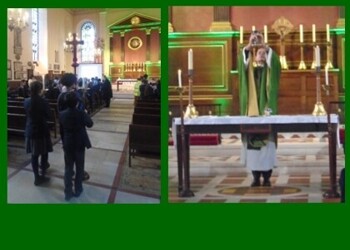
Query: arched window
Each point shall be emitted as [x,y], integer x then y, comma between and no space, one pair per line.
[88,35]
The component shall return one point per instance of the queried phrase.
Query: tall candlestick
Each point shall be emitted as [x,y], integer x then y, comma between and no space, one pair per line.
[179,78]
[253,28]
[301,33]
[327,32]
[265,34]
[190,59]
[326,74]
[317,56]
[313,33]
[241,34]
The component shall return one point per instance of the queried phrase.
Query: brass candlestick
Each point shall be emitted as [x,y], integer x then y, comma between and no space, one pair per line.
[191,111]
[313,65]
[180,164]
[319,108]
[329,55]
[302,64]
[183,167]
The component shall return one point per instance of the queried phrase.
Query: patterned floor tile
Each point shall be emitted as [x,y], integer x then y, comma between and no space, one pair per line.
[301,175]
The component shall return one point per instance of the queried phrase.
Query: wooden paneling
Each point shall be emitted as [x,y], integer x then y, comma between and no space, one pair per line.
[216,78]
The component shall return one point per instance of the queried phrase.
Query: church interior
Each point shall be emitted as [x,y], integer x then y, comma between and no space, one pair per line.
[204,44]
[119,46]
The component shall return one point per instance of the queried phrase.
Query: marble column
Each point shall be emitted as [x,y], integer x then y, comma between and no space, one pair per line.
[122,47]
[148,44]
[104,34]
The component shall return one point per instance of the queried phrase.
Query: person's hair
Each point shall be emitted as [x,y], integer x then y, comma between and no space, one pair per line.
[35,88]
[71,99]
[36,104]
[68,79]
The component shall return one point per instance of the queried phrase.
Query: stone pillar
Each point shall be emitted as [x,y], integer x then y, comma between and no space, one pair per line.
[222,19]
[122,47]
[160,45]
[104,34]
[148,44]
[110,48]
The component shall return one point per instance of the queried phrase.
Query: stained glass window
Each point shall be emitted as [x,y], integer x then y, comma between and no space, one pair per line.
[88,35]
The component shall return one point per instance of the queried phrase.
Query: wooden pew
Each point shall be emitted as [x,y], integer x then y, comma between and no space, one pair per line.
[150,111]
[15,103]
[145,104]
[146,119]
[16,123]
[21,111]
[144,141]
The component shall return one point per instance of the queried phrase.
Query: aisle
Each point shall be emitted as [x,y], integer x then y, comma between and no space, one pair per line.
[102,162]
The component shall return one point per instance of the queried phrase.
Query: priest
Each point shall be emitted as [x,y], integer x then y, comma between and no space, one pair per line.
[259,74]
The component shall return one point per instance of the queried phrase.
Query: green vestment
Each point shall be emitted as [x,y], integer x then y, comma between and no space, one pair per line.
[255,97]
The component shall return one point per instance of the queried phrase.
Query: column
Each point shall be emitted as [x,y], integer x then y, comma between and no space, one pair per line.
[111,47]
[222,19]
[122,47]
[160,45]
[148,44]
[104,34]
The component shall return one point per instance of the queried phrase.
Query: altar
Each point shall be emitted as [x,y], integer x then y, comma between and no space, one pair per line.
[245,124]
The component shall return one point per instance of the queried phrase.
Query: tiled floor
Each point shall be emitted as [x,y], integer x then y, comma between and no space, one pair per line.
[217,175]
[104,163]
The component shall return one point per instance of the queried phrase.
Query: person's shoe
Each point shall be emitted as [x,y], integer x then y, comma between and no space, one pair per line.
[67,197]
[255,183]
[86,176]
[77,194]
[44,168]
[267,184]
[41,180]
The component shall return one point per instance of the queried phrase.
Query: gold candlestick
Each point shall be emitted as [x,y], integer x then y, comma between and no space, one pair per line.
[191,111]
[329,53]
[183,167]
[319,108]
[313,65]
[302,64]
[180,164]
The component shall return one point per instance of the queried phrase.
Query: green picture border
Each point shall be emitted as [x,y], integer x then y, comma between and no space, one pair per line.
[164,225]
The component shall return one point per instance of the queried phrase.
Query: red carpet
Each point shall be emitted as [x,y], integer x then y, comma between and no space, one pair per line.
[201,139]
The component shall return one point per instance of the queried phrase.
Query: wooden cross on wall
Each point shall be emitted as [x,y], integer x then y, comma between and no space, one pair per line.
[75,42]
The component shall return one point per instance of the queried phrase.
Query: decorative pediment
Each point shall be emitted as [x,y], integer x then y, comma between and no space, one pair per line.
[134,20]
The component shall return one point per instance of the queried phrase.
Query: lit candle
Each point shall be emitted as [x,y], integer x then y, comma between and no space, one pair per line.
[265,34]
[190,59]
[301,33]
[317,56]
[241,34]
[327,32]
[326,74]
[253,28]
[313,33]
[179,77]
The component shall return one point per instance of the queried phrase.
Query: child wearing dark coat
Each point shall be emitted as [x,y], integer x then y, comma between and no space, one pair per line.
[75,140]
